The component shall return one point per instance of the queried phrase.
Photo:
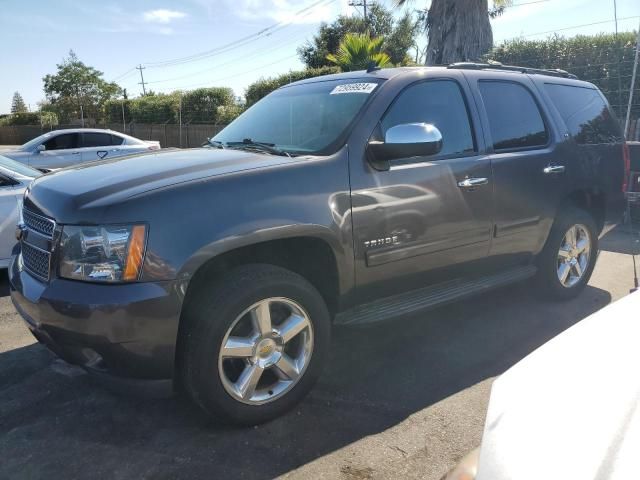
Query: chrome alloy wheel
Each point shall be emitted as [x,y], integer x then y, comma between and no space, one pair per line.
[574,255]
[266,351]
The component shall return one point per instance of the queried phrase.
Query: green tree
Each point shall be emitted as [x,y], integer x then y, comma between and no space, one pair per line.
[77,85]
[357,51]
[458,30]
[17,104]
[379,23]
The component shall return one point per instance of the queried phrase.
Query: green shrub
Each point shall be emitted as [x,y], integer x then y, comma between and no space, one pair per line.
[603,60]
[29,118]
[265,86]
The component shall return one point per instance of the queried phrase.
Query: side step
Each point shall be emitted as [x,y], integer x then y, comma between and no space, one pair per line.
[429,297]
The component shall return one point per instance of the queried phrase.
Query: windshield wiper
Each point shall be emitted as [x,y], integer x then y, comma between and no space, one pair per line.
[262,146]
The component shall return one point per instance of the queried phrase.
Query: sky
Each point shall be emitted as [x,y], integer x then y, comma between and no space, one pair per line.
[115,36]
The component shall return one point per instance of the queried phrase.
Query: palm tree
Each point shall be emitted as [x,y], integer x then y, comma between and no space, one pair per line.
[459,30]
[357,52]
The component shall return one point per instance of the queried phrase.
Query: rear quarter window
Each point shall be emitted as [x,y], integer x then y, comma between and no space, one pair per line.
[585,113]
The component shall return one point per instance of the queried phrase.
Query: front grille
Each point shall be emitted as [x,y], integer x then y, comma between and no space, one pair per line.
[36,261]
[38,223]
[37,244]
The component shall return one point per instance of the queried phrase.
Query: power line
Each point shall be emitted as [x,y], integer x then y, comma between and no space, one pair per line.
[239,42]
[287,42]
[579,26]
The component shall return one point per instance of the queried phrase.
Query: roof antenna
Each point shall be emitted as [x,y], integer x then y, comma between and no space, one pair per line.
[372,67]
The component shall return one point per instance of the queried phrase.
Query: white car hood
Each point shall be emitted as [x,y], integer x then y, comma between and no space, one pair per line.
[17,155]
[570,410]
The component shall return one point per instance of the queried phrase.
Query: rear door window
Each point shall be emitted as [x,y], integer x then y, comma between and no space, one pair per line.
[96,139]
[515,120]
[62,142]
[585,114]
[116,140]
[440,103]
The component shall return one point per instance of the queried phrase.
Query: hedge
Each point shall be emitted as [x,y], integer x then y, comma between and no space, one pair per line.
[265,86]
[603,60]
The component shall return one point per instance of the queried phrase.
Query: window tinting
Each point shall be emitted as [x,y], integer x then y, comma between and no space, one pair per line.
[95,139]
[514,117]
[62,142]
[439,103]
[585,114]
[116,140]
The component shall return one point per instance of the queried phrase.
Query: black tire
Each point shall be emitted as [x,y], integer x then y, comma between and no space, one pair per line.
[546,280]
[209,316]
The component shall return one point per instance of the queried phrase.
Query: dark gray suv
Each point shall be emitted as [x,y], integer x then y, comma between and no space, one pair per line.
[345,199]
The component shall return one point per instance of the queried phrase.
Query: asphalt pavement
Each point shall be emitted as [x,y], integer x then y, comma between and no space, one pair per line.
[402,399]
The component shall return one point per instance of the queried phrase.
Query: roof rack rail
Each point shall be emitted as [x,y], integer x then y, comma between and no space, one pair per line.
[556,72]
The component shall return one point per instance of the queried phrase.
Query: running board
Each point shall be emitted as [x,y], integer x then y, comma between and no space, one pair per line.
[429,297]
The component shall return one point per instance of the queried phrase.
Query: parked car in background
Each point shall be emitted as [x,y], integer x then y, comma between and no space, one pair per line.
[346,199]
[61,148]
[14,179]
[568,410]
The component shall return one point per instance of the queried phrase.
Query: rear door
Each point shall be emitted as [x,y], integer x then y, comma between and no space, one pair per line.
[60,151]
[528,160]
[98,145]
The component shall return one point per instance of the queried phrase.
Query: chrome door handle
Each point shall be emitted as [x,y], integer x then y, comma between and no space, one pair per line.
[554,169]
[472,182]
[75,153]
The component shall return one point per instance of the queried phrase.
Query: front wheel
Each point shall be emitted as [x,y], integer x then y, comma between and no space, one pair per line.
[566,263]
[255,343]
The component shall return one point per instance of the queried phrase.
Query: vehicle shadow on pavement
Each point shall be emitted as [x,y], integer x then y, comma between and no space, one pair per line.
[622,239]
[376,377]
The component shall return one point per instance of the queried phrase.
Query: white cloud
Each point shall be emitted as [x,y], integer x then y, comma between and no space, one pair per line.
[162,15]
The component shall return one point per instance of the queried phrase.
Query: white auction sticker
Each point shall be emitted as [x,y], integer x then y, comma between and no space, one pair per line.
[354,88]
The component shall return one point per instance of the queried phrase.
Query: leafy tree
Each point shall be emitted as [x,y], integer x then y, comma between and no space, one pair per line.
[379,23]
[401,39]
[77,85]
[357,51]
[17,104]
[458,30]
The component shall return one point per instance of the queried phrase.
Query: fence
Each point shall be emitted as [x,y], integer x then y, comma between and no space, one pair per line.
[169,135]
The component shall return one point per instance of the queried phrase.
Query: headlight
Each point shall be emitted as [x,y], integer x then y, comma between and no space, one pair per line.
[102,254]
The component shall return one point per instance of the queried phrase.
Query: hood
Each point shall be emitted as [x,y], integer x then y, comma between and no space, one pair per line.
[104,183]
[15,154]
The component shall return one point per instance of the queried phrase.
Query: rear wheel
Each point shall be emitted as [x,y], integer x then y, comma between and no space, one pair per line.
[254,344]
[566,263]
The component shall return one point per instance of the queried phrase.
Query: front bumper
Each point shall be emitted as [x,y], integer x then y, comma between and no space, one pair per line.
[125,332]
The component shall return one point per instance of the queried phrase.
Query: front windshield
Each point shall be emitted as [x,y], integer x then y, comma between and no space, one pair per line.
[36,141]
[18,167]
[305,118]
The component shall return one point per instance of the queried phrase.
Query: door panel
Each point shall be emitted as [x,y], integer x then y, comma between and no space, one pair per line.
[528,163]
[414,224]
[8,219]
[61,151]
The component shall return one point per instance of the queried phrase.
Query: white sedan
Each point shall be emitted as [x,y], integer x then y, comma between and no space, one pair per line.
[61,148]
[569,410]
[14,179]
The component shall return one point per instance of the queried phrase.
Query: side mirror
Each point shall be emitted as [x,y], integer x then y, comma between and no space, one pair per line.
[404,141]
[40,148]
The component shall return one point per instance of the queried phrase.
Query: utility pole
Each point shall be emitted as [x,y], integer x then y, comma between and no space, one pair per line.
[633,85]
[363,4]
[140,67]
